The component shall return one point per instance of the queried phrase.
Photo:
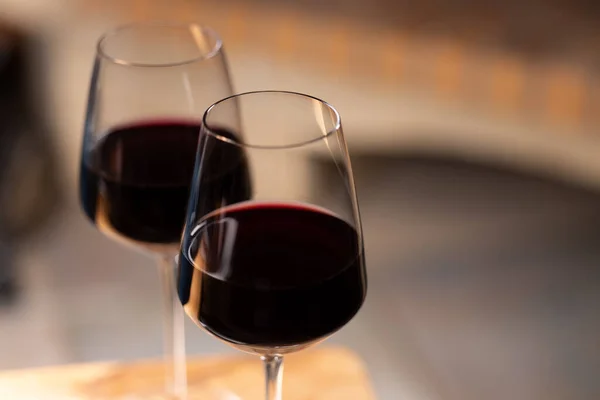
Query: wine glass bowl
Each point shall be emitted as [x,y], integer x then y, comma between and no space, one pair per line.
[150,85]
[267,263]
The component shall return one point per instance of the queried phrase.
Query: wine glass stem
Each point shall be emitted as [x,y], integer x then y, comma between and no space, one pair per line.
[274,376]
[173,335]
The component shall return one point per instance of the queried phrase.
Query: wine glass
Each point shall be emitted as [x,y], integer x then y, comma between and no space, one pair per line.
[150,84]
[269,262]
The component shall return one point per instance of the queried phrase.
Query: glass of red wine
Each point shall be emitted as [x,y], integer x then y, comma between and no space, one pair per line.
[150,85]
[270,262]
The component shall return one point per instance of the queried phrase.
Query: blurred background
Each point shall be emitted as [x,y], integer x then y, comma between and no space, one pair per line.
[473,131]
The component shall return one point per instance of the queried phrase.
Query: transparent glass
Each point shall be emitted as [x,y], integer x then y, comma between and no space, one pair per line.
[149,87]
[269,263]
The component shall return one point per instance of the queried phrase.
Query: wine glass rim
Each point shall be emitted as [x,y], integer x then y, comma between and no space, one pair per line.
[209,130]
[157,24]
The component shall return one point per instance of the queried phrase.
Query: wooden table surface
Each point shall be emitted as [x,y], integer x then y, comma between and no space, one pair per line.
[330,373]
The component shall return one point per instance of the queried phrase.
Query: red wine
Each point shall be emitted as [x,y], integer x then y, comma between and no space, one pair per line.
[135,182]
[272,274]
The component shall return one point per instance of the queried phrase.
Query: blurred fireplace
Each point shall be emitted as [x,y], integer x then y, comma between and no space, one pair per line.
[484,281]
